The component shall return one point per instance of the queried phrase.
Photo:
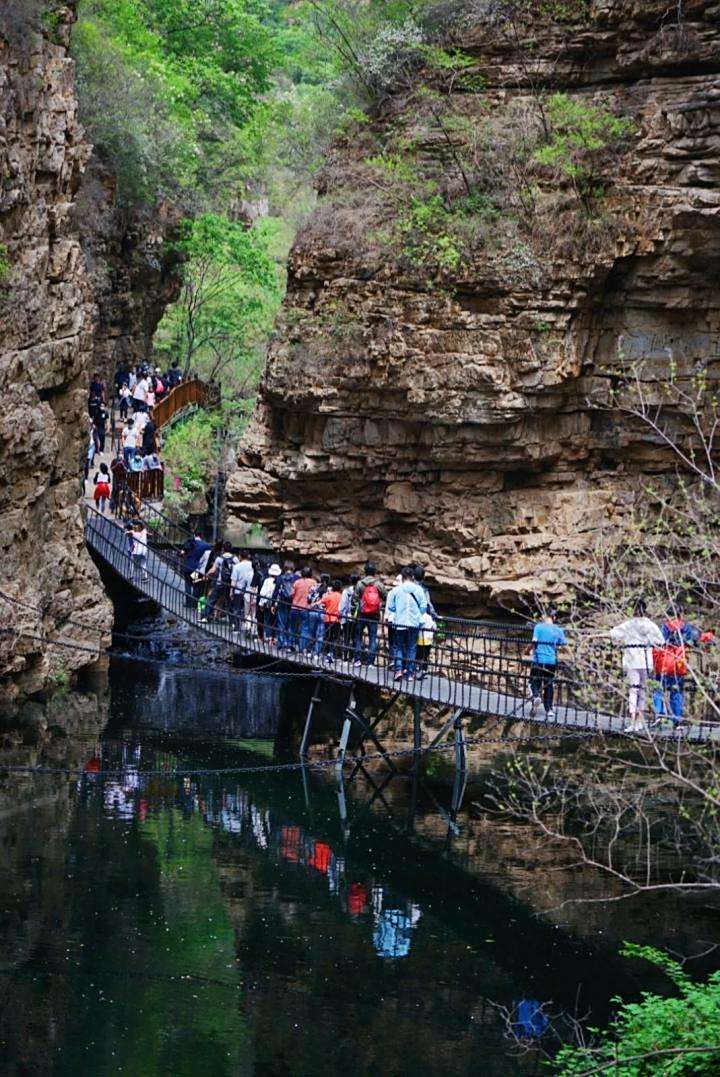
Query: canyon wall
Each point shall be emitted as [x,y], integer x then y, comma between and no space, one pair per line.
[83,283]
[46,348]
[431,392]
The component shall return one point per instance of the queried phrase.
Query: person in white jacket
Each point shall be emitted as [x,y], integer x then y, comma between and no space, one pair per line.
[637,637]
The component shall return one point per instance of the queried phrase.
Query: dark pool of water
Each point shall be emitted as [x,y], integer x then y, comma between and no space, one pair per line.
[228,923]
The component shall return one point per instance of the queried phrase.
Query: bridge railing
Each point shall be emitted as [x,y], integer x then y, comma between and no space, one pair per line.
[492,677]
[190,393]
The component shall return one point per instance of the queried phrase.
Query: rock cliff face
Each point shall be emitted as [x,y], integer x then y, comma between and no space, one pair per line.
[46,347]
[82,286]
[429,406]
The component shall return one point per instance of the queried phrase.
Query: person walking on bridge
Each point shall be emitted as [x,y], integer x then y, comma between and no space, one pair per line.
[148,438]
[265,617]
[637,636]
[193,550]
[302,624]
[129,442]
[282,605]
[547,637]
[407,605]
[240,581]
[370,594]
[174,375]
[671,663]
[139,394]
[331,617]
[119,471]
[348,613]
[102,488]
[221,575]
[139,548]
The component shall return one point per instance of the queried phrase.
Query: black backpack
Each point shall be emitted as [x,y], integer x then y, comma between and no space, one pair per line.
[226,567]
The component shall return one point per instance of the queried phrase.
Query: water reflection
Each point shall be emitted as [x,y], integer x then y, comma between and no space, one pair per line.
[390,919]
[284,923]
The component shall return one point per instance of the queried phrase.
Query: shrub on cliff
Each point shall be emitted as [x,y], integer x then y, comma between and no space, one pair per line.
[581,135]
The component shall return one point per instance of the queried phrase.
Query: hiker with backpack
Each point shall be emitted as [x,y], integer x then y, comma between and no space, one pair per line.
[221,575]
[370,594]
[407,605]
[671,664]
[193,551]
[281,605]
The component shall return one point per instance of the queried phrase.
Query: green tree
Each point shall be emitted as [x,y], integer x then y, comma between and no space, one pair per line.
[163,84]
[579,134]
[229,295]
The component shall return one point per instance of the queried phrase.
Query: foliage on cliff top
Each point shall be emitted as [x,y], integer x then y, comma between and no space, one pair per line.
[163,84]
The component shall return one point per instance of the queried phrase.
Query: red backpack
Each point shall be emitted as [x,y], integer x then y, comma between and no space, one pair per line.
[670,660]
[370,600]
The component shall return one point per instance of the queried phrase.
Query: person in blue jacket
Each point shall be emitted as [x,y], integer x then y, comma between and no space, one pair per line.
[406,605]
[547,638]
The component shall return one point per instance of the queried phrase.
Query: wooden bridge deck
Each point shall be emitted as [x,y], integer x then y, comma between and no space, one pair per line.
[474,695]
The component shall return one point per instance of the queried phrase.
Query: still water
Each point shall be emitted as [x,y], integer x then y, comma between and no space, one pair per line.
[228,923]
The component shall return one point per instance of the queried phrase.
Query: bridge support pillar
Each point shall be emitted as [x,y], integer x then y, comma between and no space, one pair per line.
[315,698]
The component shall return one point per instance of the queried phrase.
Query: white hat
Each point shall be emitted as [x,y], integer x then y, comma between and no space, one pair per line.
[274,570]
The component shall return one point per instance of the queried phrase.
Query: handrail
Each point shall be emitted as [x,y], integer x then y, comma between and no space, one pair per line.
[187,393]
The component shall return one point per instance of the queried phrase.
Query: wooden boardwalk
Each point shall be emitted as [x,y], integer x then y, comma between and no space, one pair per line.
[472,693]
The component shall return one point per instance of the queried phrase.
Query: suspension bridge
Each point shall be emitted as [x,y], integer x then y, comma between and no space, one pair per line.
[476,669]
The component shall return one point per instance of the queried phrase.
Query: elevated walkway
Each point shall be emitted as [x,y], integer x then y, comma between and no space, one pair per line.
[475,668]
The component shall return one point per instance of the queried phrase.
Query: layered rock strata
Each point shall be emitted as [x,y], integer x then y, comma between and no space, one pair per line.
[46,346]
[445,412]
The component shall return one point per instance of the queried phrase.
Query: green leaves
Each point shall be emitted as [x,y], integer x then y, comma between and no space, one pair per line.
[579,131]
[230,294]
[163,84]
[676,1035]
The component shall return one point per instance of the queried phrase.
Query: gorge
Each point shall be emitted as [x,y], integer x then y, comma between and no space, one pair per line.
[430,282]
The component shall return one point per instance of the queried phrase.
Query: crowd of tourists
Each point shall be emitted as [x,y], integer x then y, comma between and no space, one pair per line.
[321,619]
[324,619]
[136,389]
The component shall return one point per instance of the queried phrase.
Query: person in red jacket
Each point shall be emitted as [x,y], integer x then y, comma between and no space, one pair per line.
[671,664]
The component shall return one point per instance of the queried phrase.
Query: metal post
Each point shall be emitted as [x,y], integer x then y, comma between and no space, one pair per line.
[343,745]
[460,768]
[417,727]
[308,721]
